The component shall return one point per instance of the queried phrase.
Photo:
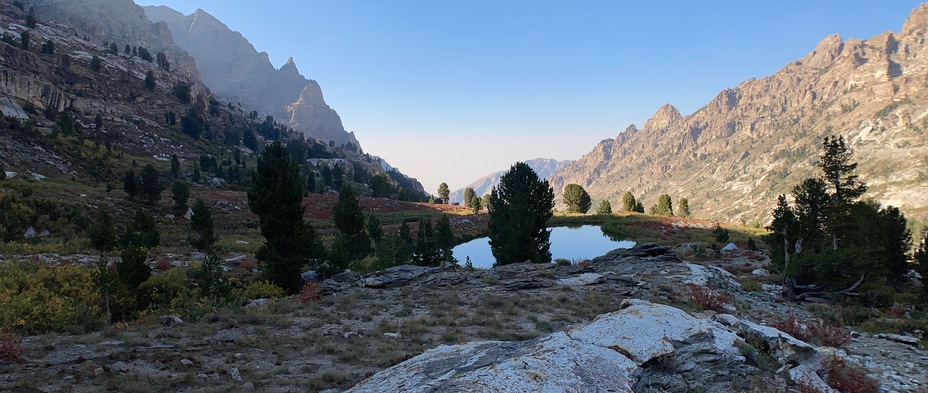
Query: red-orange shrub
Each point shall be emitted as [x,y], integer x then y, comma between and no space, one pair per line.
[815,330]
[311,292]
[849,379]
[708,299]
[163,264]
[9,346]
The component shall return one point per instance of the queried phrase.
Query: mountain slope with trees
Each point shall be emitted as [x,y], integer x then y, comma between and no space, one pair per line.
[238,73]
[752,142]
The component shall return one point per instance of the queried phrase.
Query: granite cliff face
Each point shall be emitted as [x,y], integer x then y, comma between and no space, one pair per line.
[117,21]
[235,71]
[544,167]
[756,140]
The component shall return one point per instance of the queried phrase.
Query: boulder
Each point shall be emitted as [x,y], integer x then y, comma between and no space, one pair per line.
[119,367]
[642,331]
[340,282]
[396,276]
[582,279]
[170,320]
[786,348]
[643,347]
[554,363]
[908,340]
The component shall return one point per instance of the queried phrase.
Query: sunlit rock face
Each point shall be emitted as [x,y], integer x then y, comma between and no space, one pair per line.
[238,73]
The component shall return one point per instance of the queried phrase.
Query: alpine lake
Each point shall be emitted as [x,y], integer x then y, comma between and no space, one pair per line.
[570,243]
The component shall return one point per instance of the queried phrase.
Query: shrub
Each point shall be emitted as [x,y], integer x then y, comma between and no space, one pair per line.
[849,379]
[814,330]
[263,289]
[36,298]
[311,292]
[9,346]
[708,299]
[163,265]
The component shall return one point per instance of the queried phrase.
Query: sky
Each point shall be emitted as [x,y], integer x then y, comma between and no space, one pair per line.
[449,91]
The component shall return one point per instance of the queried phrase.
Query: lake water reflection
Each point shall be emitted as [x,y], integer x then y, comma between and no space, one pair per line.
[585,242]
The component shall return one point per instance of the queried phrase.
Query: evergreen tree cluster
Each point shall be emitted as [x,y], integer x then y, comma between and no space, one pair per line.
[829,236]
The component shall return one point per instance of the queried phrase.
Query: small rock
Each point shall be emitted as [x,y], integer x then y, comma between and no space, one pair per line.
[170,320]
[186,362]
[119,367]
[247,386]
[760,272]
[241,242]
[257,303]
[169,216]
[236,259]
[393,335]
[913,341]
[189,214]
[236,375]
[30,233]
[98,371]
[351,334]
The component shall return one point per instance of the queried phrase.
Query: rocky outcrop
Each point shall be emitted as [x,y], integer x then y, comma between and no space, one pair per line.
[543,167]
[732,157]
[643,347]
[235,71]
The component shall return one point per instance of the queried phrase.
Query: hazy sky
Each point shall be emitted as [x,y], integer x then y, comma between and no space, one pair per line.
[453,90]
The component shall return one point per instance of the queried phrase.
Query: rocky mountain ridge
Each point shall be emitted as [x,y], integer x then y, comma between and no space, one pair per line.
[752,142]
[238,73]
[544,167]
[48,89]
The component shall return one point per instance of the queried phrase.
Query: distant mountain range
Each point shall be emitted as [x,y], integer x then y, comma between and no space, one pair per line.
[732,157]
[544,167]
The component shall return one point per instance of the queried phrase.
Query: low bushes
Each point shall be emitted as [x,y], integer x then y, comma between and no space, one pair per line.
[35,298]
[815,330]
[705,298]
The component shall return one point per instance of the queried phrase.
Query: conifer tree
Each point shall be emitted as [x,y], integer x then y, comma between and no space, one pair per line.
[201,223]
[443,192]
[577,199]
[520,207]
[276,196]
[131,184]
[175,166]
[444,237]
[604,207]
[683,207]
[476,204]
[664,206]
[349,219]
[102,232]
[374,229]
[151,185]
[468,197]
[180,193]
[426,252]
[629,203]
[150,81]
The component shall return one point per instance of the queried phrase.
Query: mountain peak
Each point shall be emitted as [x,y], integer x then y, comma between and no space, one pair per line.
[666,115]
[290,67]
[825,52]
[917,20]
